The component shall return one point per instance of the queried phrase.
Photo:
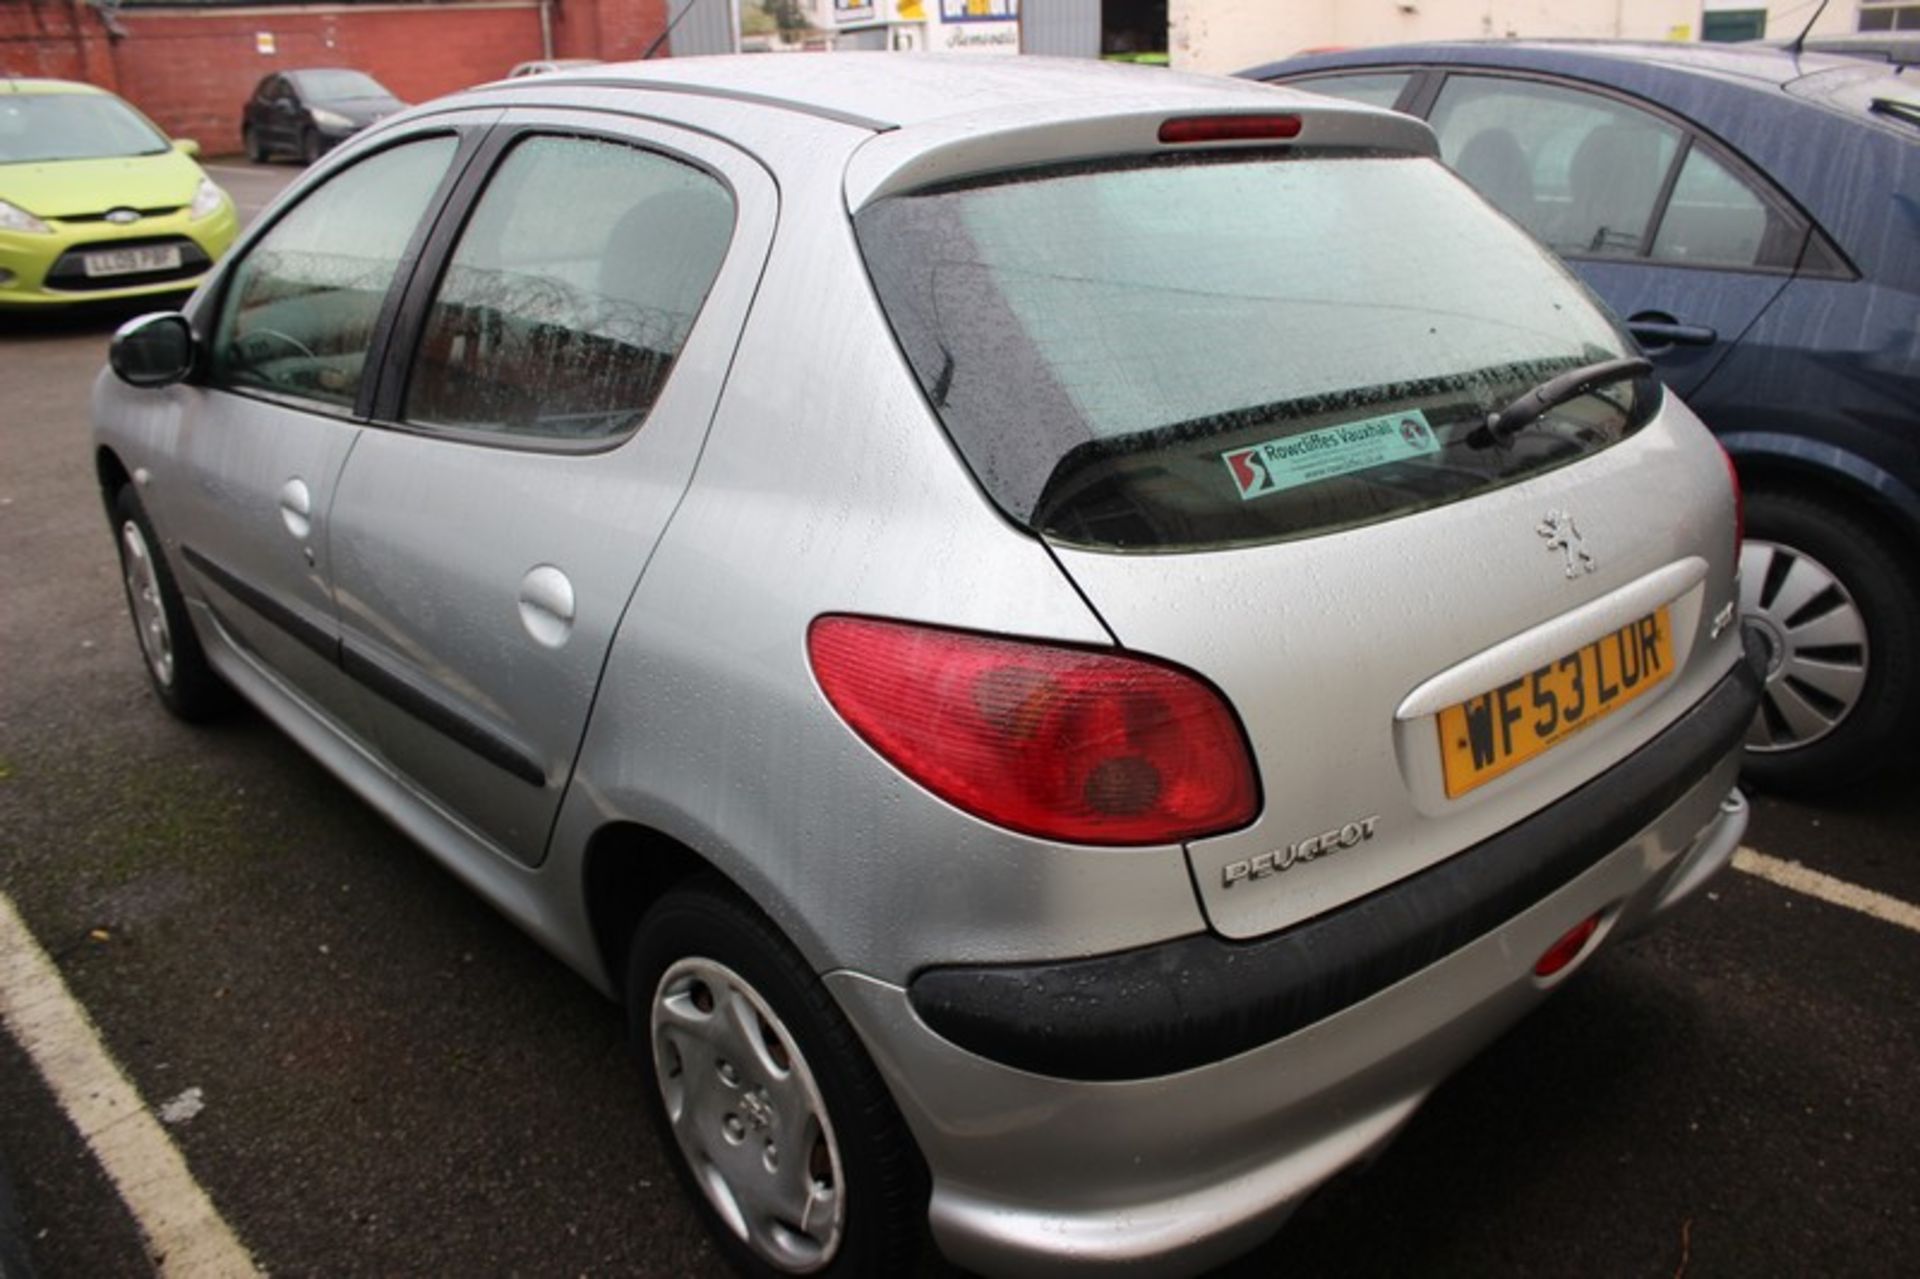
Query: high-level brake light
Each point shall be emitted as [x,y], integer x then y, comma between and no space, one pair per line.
[1182,130]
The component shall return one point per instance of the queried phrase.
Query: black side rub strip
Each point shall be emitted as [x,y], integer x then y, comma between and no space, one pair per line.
[308,633]
[483,739]
[1200,999]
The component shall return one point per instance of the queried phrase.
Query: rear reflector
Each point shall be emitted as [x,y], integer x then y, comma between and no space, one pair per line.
[1077,745]
[1567,949]
[1228,128]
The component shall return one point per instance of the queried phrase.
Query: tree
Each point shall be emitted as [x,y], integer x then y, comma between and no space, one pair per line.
[765,17]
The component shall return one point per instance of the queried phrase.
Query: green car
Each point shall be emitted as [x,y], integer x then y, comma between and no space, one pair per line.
[95,203]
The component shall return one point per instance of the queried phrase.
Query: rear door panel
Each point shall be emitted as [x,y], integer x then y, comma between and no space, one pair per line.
[1724,303]
[480,580]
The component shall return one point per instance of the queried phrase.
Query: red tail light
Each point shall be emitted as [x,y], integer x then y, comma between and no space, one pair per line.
[1228,128]
[1069,744]
[1739,505]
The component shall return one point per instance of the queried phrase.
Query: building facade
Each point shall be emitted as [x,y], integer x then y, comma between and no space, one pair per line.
[1227,35]
[936,26]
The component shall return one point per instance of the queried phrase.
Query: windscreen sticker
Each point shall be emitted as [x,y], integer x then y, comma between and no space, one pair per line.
[1279,465]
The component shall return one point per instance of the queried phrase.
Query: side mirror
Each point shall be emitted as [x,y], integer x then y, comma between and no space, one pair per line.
[187,147]
[153,350]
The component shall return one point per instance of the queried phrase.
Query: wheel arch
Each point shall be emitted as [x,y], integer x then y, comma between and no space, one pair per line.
[112,474]
[626,868]
[1797,465]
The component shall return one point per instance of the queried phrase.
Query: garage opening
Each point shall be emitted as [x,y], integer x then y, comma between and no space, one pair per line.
[1134,31]
[1123,30]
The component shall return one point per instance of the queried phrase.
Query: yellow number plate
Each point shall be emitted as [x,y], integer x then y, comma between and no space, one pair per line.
[1503,728]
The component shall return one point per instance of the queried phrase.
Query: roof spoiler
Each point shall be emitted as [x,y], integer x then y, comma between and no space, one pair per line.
[994,142]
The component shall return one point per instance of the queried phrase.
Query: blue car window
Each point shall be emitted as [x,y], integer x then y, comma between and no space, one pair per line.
[1715,219]
[1374,89]
[1581,171]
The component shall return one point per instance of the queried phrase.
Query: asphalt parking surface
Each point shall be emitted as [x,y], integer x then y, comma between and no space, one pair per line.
[397,1082]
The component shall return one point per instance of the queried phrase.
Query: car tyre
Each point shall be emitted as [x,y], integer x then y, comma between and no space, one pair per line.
[176,665]
[250,139]
[309,146]
[774,1117]
[1825,601]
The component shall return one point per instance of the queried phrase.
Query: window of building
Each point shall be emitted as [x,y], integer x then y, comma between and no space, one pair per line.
[1887,15]
[1730,25]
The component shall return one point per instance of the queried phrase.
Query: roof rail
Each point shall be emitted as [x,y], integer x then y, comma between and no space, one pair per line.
[730,95]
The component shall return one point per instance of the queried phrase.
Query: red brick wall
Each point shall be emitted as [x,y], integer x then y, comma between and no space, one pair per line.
[191,69]
[611,30]
[37,38]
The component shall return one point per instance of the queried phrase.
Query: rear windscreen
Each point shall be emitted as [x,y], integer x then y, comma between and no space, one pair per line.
[1204,351]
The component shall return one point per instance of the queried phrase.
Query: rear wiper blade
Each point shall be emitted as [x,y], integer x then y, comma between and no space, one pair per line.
[1551,394]
[1898,108]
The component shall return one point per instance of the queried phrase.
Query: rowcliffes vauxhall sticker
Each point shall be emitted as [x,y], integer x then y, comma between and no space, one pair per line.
[1312,456]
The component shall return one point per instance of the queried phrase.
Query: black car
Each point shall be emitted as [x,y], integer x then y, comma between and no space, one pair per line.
[306,113]
[1755,218]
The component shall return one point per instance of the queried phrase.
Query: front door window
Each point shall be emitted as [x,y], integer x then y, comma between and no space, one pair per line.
[300,309]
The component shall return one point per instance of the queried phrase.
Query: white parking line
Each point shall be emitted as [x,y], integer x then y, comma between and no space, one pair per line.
[184,1231]
[1799,879]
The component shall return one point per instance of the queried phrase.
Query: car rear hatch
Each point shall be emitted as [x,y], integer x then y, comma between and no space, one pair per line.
[1241,384]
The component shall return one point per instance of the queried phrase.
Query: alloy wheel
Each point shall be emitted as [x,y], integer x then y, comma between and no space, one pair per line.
[1814,638]
[149,613]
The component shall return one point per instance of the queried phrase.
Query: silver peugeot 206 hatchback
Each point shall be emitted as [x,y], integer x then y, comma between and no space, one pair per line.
[1068,639]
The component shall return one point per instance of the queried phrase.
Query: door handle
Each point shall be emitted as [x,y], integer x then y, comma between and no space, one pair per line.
[1655,331]
[296,508]
[546,605]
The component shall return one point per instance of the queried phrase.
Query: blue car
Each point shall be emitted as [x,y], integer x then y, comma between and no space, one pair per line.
[1755,218]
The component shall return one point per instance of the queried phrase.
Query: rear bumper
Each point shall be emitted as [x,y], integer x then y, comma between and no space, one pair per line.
[1169,1168]
[1198,999]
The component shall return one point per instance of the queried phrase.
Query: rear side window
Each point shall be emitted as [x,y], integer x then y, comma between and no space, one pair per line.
[571,292]
[1209,351]
[1374,89]
[1581,171]
[1714,219]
